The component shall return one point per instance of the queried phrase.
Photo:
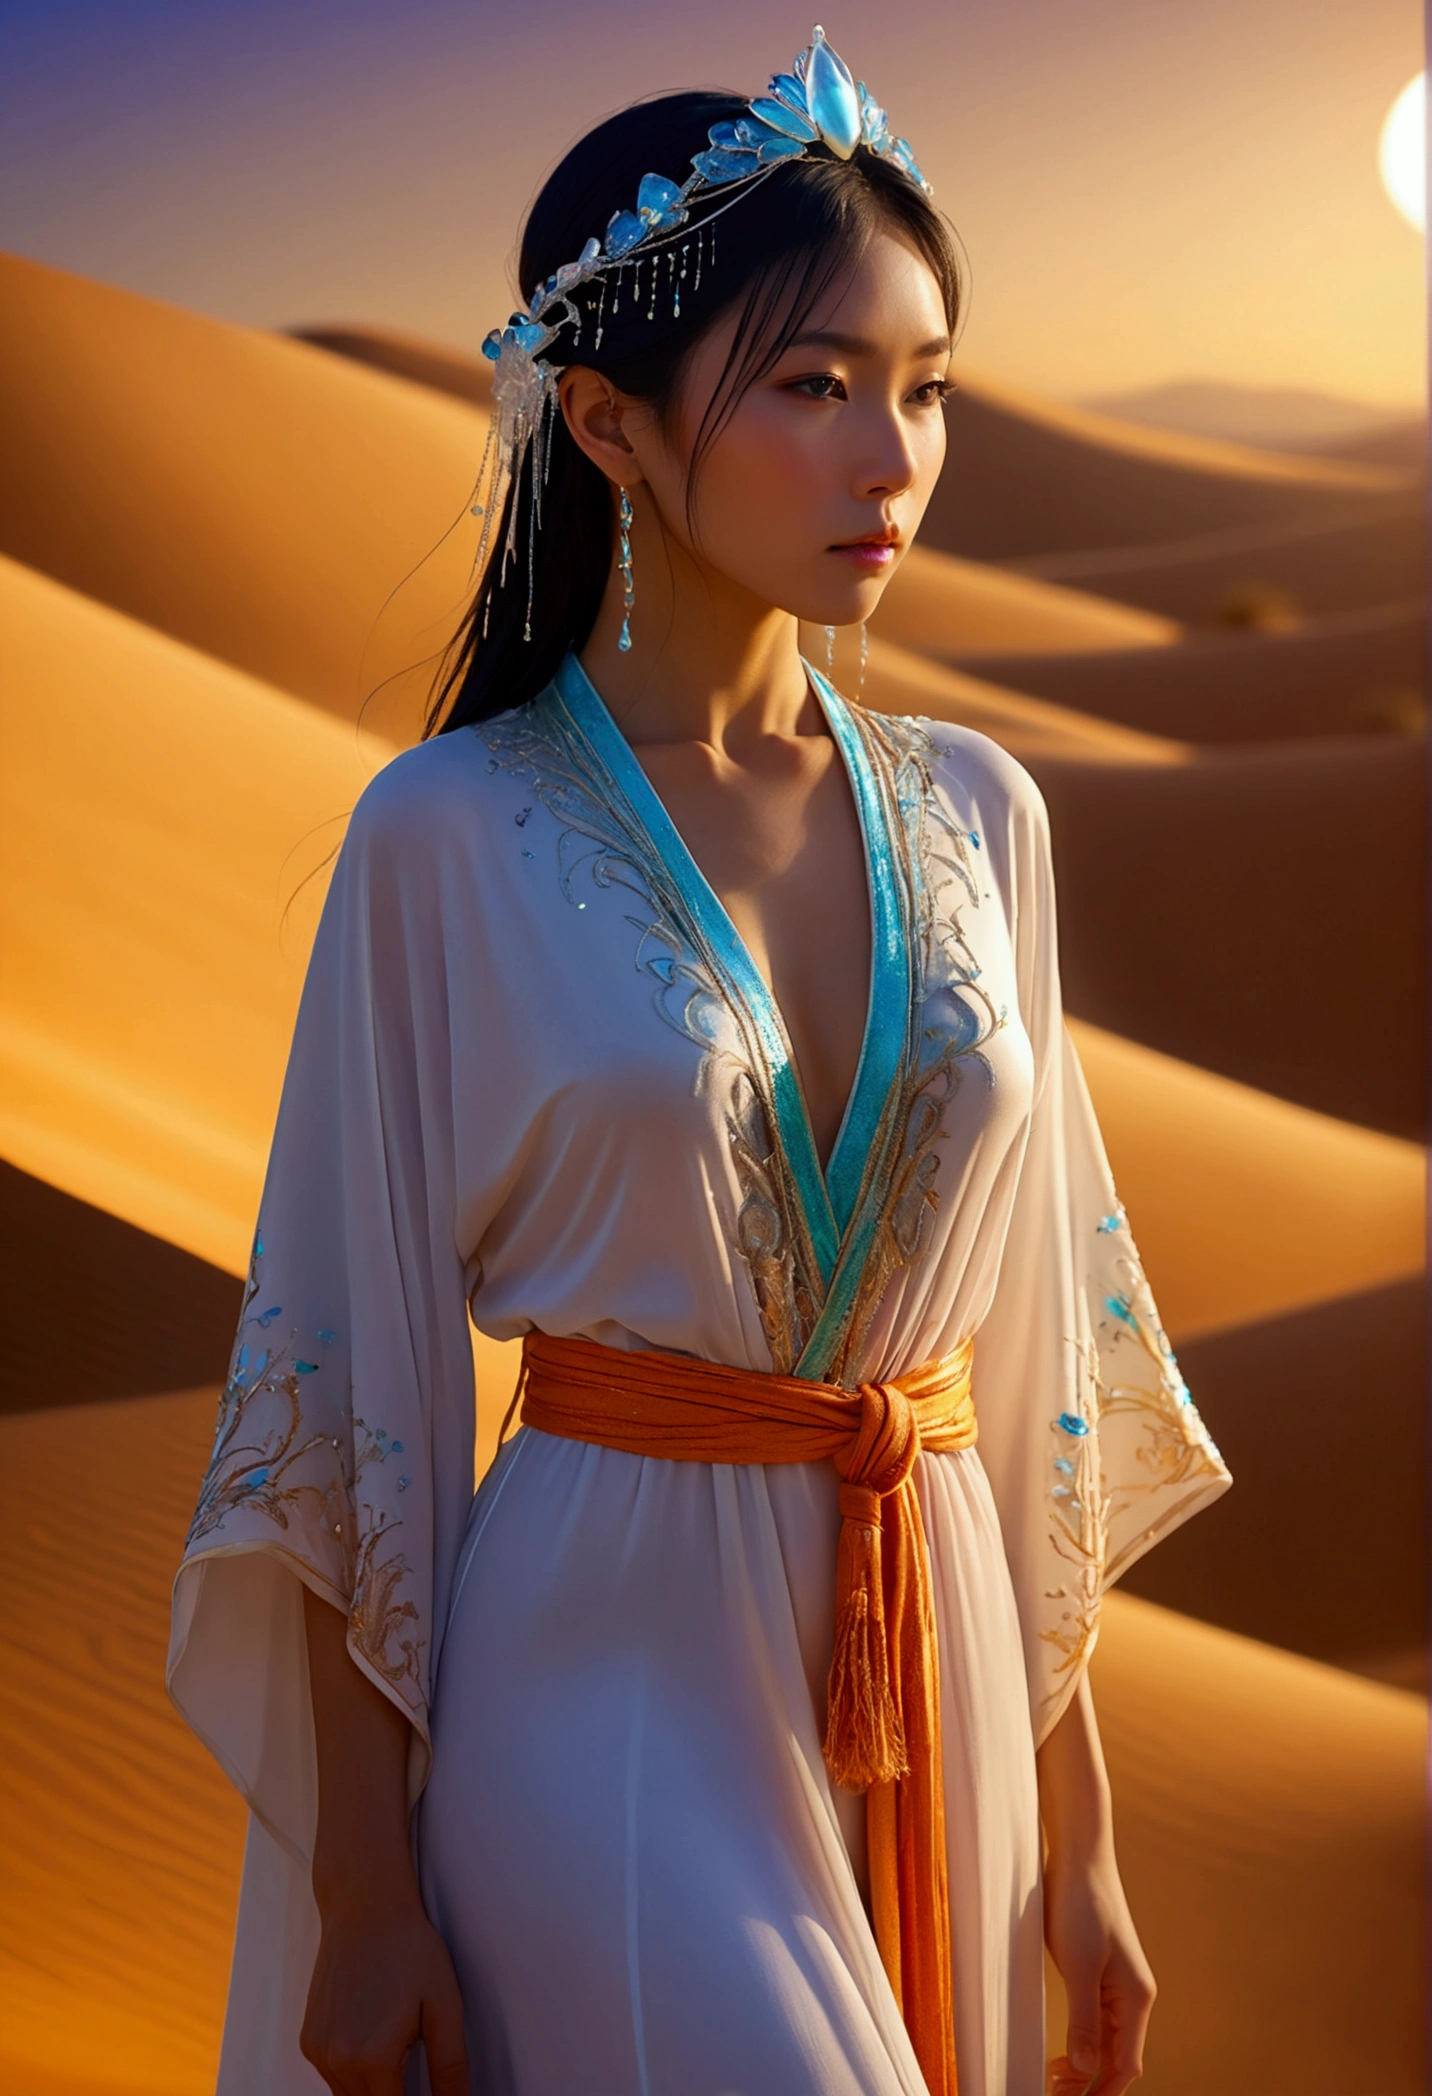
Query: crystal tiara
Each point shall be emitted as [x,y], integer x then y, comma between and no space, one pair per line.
[817,103]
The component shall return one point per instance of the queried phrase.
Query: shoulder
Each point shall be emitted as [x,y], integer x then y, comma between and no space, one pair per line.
[419,793]
[973,770]
[440,799]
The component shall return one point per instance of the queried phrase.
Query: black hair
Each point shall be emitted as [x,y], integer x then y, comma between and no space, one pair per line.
[779,251]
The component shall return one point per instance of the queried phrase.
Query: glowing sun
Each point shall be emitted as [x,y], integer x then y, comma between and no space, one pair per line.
[1402,152]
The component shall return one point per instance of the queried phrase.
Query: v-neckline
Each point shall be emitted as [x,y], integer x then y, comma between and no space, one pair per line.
[830,1196]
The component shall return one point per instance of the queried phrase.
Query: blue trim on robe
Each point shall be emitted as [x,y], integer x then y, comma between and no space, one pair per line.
[840,1223]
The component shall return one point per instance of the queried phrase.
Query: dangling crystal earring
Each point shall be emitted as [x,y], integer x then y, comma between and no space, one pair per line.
[624,568]
[864,652]
[830,651]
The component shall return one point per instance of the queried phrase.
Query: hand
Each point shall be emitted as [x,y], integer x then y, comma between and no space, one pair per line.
[383,1979]
[1111,1989]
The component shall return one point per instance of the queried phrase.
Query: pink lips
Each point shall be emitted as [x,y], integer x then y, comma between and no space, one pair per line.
[871,554]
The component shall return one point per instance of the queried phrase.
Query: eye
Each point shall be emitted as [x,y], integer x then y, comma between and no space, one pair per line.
[821,385]
[933,392]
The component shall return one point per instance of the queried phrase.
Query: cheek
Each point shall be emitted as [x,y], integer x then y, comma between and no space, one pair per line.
[764,477]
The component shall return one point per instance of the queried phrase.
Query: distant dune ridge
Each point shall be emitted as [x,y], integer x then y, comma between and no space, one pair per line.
[217,547]
[1271,418]
[1359,672]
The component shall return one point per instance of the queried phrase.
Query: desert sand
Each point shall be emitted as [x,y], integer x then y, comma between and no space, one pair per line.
[1239,930]
[1353,673]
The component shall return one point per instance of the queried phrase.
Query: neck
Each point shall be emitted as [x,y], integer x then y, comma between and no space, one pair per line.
[709,662]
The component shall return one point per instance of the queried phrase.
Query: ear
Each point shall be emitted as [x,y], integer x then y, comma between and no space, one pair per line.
[593,411]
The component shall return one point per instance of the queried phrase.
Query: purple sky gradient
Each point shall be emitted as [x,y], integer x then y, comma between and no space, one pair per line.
[1146,190]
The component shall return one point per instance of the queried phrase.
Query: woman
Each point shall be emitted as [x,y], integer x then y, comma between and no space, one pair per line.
[679,1015]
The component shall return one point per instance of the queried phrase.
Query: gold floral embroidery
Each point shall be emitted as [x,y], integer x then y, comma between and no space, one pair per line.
[951,1021]
[254,1474]
[252,1471]
[1130,1392]
[601,833]
[376,1617]
[953,1018]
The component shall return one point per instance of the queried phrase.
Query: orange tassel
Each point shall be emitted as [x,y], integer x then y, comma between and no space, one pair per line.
[864,1736]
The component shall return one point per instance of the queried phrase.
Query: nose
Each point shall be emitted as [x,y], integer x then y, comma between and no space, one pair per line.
[887,462]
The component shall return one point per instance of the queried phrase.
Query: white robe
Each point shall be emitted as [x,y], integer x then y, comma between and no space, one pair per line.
[536,1076]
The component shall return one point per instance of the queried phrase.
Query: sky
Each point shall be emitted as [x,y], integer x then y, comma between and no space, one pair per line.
[1147,190]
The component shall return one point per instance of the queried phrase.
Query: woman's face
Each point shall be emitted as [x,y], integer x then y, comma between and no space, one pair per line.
[812,492]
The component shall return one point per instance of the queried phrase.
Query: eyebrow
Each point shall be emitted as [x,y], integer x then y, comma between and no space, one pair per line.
[858,346]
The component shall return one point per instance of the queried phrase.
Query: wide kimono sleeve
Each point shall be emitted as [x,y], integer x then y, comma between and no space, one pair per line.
[1091,1440]
[343,1454]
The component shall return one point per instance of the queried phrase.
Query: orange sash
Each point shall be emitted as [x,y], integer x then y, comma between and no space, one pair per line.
[883,1711]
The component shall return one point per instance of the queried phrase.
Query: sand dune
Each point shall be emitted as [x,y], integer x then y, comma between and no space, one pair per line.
[1276,1889]
[1269,1816]
[244,493]
[1271,418]
[155,1317]
[1402,447]
[122,1839]
[1308,568]
[1322,1417]
[942,606]
[1361,673]
[1259,911]
[1246,1206]
[156,811]
[899,681]
[425,363]
[1027,477]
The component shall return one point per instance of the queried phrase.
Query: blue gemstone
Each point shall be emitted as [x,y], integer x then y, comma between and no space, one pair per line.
[257,1477]
[720,166]
[750,131]
[776,149]
[659,202]
[975,839]
[530,335]
[258,1247]
[403,1483]
[624,230]
[786,88]
[395,1448]
[792,123]
[727,134]
[306,1367]
[1108,1222]
[492,346]
[328,1337]
[874,124]
[1119,1304]
[900,151]
[1073,1424]
[831,98]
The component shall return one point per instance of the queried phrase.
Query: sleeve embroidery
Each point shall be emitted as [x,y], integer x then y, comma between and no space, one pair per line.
[1129,1387]
[261,1440]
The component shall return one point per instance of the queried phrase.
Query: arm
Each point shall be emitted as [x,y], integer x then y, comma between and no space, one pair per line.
[1087,1925]
[383,1977]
